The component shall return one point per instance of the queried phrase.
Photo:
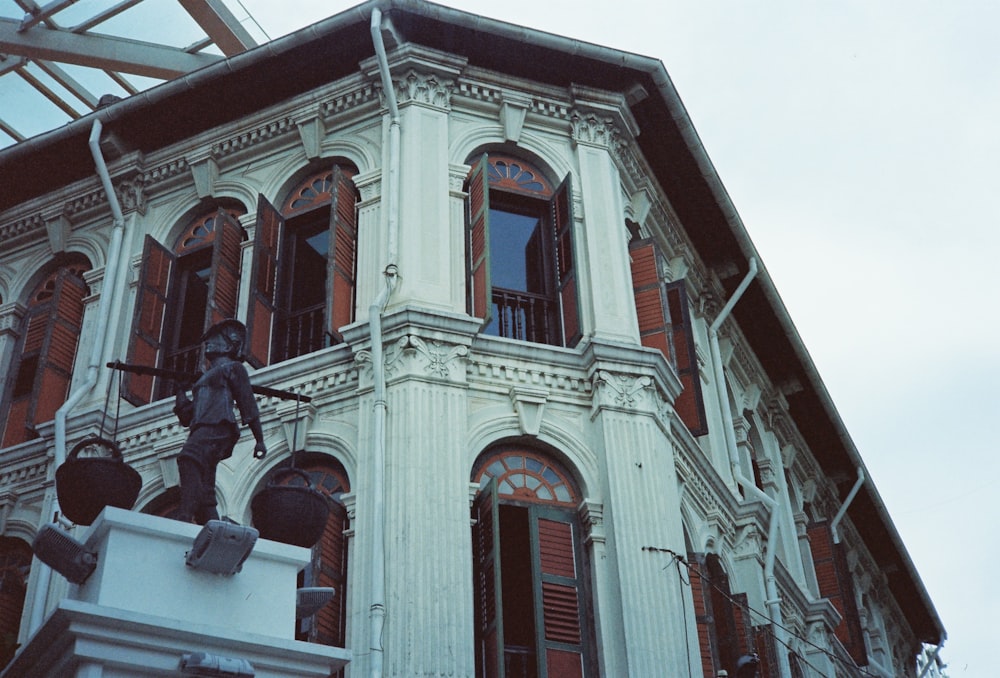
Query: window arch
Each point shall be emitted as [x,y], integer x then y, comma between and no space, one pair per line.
[521,277]
[533,605]
[195,283]
[304,267]
[46,351]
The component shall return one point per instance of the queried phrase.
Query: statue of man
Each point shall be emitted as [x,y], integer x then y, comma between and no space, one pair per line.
[212,420]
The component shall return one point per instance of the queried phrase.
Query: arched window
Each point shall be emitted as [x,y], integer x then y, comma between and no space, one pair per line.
[328,565]
[533,606]
[182,291]
[43,362]
[15,563]
[302,285]
[521,276]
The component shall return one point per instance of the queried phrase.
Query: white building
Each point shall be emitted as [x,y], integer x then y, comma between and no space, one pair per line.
[518,297]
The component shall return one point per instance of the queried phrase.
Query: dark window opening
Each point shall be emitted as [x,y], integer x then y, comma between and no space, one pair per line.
[188,308]
[518,598]
[524,305]
[304,263]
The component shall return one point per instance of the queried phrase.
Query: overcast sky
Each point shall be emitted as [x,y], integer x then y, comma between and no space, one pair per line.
[860,143]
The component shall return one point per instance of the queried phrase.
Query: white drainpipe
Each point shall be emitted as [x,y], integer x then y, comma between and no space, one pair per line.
[751,489]
[110,286]
[847,502]
[377,611]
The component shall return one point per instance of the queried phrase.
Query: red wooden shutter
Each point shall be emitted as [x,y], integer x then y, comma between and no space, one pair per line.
[650,297]
[566,284]
[55,365]
[264,282]
[342,254]
[665,324]
[46,356]
[558,584]
[836,585]
[690,406]
[487,583]
[15,563]
[479,281]
[332,571]
[224,280]
[766,648]
[704,619]
[147,323]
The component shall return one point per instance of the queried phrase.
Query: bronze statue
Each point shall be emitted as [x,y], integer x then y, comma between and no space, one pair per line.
[212,420]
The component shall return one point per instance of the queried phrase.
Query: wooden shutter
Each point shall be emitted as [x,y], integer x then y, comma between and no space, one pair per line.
[342,254]
[45,367]
[224,280]
[55,365]
[147,322]
[766,647]
[331,570]
[269,235]
[836,585]
[566,283]
[665,324]
[689,405]
[650,297]
[479,281]
[487,583]
[559,593]
[703,613]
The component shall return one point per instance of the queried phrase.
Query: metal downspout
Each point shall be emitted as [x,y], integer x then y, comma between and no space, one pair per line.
[377,611]
[110,286]
[847,502]
[770,584]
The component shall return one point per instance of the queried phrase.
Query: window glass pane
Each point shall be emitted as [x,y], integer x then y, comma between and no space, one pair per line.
[506,488]
[551,476]
[562,493]
[533,465]
[496,469]
[533,482]
[515,257]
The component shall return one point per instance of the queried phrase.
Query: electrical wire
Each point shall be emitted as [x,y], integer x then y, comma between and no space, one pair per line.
[679,559]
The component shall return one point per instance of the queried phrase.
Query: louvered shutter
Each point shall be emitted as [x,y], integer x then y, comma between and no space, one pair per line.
[224,280]
[665,324]
[341,256]
[765,646]
[331,569]
[55,365]
[20,390]
[558,581]
[650,297]
[836,585]
[487,582]
[701,595]
[15,563]
[566,284]
[147,323]
[47,353]
[479,281]
[689,405]
[264,282]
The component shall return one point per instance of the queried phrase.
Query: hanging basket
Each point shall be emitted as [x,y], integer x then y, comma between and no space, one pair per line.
[291,514]
[86,484]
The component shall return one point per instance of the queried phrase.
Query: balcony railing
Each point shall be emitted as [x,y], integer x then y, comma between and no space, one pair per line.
[302,332]
[525,316]
[519,662]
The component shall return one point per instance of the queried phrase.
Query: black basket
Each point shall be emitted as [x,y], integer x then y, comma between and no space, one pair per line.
[291,514]
[85,485]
